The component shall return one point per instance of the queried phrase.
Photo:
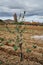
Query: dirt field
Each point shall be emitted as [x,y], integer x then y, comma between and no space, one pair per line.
[32,56]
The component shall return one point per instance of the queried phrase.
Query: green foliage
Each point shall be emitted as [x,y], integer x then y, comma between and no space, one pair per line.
[2,39]
[10,40]
[17,29]
[1,44]
[15,47]
[2,22]
[1,62]
[34,46]
[17,39]
[21,23]
[28,50]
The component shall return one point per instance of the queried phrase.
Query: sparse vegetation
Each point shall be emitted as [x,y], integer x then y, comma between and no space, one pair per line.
[17,45]
[1,44]
[28,50]
[34,46]
[1,62]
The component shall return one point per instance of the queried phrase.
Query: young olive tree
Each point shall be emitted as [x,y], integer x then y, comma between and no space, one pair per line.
[19,39]
[19,29]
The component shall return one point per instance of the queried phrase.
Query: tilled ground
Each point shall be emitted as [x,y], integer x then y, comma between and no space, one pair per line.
[7,59]
[10,57]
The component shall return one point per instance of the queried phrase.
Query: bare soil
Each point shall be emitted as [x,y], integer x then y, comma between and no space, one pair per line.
[10,57]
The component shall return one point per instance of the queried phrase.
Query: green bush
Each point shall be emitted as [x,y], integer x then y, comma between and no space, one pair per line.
[34,46]
[15,47]
[28,50]
[2,39]
[1,44]
[9,41]
[1,62]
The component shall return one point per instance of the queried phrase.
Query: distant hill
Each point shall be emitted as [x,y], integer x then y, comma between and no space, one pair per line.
[9,21]
[2,22]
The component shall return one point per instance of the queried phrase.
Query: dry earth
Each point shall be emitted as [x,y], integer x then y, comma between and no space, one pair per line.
[10,57]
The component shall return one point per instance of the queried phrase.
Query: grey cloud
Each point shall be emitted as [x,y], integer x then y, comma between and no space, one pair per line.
[5,14]
[33,7]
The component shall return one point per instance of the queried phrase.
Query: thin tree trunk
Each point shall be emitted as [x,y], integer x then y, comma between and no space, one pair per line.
[21,54]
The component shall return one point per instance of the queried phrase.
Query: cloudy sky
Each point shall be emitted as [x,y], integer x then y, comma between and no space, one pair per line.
[33,8]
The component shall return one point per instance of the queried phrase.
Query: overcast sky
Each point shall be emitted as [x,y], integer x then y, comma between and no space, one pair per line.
[33,8]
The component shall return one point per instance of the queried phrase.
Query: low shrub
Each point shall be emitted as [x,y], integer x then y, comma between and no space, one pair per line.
[34,46]
[28,50]
[15,47]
